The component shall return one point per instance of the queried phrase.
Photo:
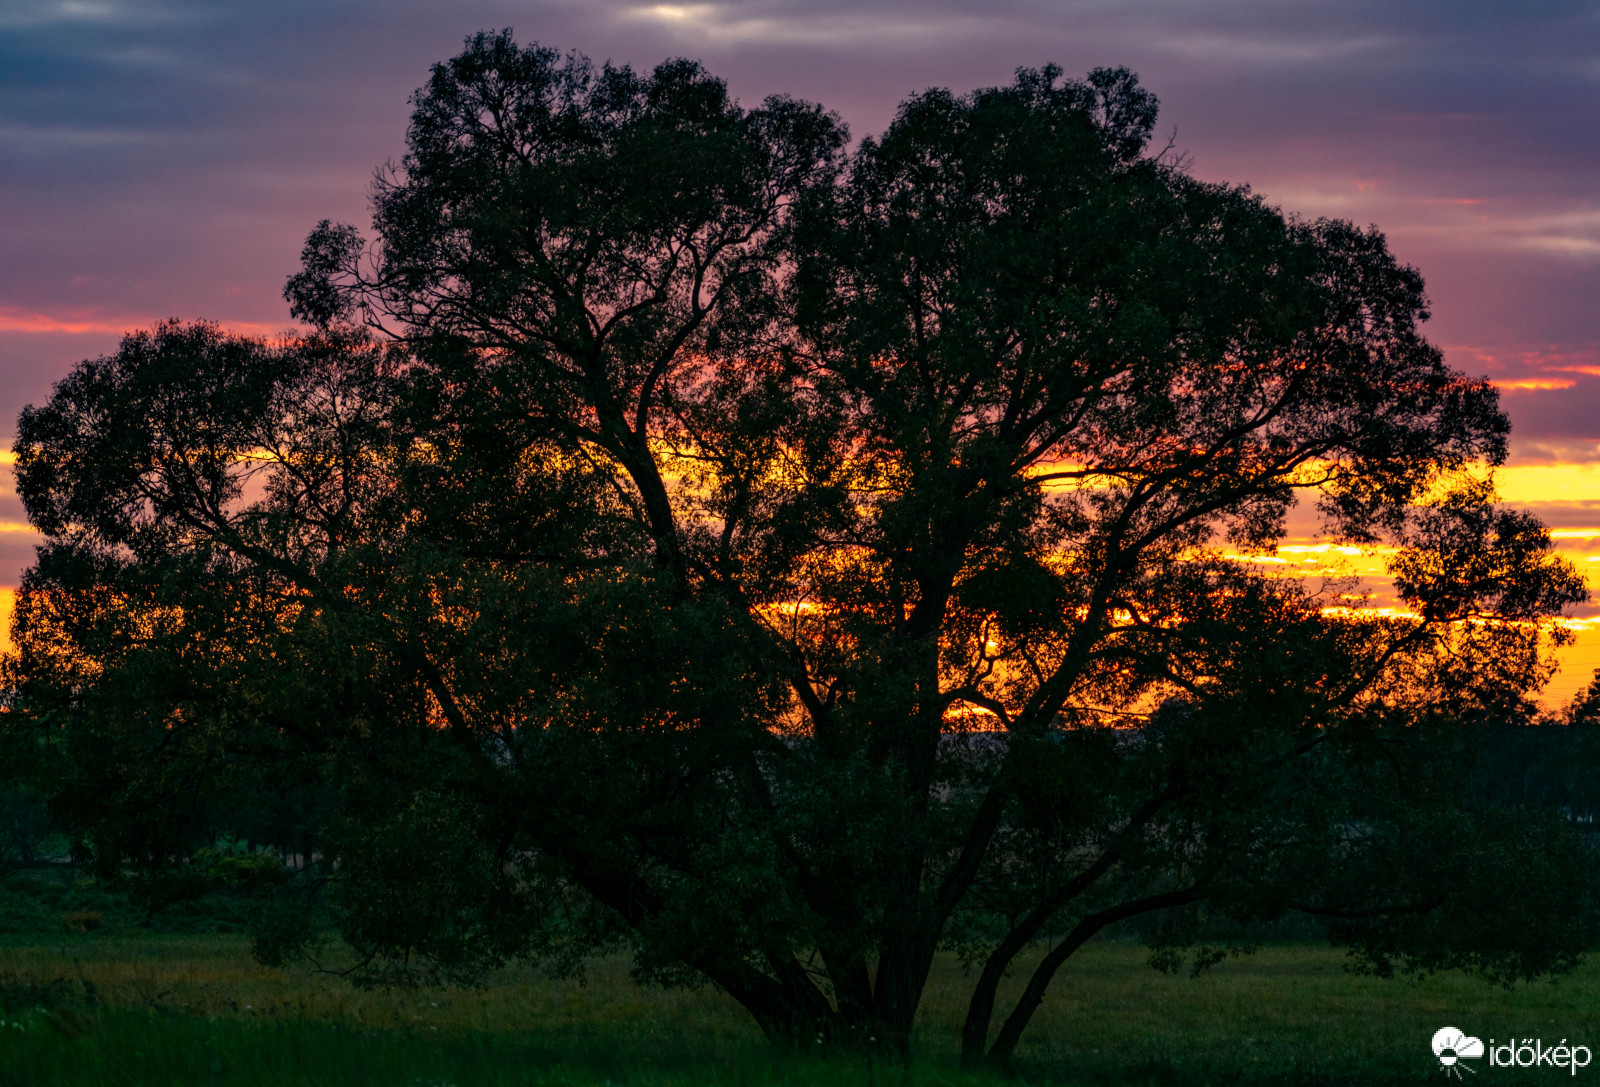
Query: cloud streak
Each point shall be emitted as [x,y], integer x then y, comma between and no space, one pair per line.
[79,322]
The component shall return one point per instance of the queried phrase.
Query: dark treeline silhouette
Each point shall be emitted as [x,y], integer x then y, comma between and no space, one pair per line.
[1545,762]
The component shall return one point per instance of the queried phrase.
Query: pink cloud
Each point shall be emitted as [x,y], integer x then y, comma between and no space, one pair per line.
[78,322]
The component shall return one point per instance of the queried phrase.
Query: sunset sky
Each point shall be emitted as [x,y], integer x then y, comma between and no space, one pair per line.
[167,158]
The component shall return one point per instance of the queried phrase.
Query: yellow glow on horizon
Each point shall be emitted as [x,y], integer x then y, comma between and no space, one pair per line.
[1541,383]
[1532,484]
[1370,612]
[1517,485]
[1338,549]
[1525,485]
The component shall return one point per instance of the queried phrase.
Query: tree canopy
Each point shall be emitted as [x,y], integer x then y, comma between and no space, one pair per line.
[679,527]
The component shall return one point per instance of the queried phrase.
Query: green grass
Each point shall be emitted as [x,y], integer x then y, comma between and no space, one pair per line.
[174,1009]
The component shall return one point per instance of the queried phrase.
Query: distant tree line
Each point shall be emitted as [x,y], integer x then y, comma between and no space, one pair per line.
[1543,761]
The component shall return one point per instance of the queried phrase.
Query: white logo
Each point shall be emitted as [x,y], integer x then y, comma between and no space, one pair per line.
[1452,1047]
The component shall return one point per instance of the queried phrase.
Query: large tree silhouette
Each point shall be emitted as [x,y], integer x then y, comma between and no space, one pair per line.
[679,528]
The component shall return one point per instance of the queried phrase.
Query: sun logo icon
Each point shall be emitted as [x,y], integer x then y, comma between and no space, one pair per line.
[1452,1047]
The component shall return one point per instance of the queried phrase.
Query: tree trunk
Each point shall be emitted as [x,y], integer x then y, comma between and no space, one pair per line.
[980,1008]
[1005,1044]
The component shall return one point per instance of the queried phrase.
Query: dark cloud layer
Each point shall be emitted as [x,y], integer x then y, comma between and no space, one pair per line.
[166,157]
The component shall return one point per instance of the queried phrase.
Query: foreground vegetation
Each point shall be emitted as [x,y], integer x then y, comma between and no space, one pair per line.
[123,1008]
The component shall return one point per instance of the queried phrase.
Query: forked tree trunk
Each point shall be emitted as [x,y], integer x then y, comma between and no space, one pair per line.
[1001,1054]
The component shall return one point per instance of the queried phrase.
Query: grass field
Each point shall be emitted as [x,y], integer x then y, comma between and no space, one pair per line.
[162,1009]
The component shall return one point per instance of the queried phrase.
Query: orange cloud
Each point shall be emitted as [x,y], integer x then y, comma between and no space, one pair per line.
[74,324]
